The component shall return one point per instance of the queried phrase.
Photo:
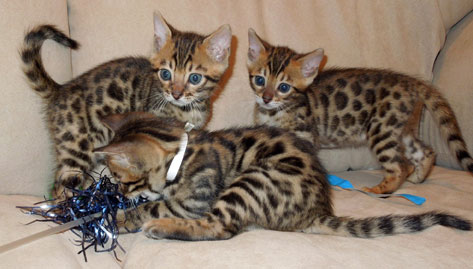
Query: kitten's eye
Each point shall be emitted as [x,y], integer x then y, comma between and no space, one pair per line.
[195,78]
[284,87]
[165,74]
[259,81]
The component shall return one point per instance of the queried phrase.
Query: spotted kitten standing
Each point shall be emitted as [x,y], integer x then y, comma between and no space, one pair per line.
[177,81]
[230,179]
[352,107]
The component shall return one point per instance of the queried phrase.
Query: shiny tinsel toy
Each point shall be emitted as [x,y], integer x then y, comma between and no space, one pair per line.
[93,212]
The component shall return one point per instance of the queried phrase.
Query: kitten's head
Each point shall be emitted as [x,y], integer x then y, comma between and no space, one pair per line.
[189,65]
[278,75]
[138,154]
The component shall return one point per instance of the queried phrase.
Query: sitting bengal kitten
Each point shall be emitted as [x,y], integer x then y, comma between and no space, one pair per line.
[230,179]
[177,81]
[352,107]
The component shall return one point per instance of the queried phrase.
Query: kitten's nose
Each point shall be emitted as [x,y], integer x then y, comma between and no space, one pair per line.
[176,94]
[267,96]
[177,90]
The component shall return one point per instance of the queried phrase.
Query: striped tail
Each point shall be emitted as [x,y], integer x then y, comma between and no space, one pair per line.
[385,225]
[30,54]
[446,121]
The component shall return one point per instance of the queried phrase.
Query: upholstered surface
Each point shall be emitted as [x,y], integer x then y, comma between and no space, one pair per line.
[437,247]
[26,158]
[403,35]
[383,34]
[453,77]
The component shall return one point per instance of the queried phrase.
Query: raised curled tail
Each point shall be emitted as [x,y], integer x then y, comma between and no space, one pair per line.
[33,67]
[385,225]
[447,123]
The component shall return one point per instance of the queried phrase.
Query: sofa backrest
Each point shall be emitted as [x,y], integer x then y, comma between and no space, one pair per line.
[403,35]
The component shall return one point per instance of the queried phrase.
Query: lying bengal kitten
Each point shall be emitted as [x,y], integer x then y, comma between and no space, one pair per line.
[352,107]
[230,179]
[177,81]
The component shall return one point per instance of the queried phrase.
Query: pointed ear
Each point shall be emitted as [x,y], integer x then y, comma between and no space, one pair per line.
[310,63]
[218,43]
[162,32]
[255,46]
[117,154]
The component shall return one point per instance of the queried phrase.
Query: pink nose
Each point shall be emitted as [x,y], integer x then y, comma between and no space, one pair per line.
[176,94]
[177,90]
[268,96]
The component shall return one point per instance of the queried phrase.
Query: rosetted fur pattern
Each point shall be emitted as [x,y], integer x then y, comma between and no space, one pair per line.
[230,179]
[352,107]
[176,81]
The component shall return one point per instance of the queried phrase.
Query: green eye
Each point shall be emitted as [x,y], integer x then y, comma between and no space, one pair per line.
[195,78]
[284,87]
[259,81]
[165,74]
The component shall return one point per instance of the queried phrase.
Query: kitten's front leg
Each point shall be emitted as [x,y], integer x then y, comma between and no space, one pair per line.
[74,158]
[133,219]
[66,178]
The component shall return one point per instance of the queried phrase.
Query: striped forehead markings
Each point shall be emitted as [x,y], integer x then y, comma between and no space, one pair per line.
[279,59]
[185,44]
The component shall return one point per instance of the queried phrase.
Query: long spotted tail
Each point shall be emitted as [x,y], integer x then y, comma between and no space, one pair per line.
[385,225]
[446,121]
[33,67]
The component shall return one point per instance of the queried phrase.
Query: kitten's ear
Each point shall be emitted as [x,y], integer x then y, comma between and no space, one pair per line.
[255,46]
[310,63]
[116,154]
[162,32]
[218,43]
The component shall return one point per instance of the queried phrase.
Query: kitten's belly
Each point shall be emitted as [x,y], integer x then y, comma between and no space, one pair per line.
[342,138]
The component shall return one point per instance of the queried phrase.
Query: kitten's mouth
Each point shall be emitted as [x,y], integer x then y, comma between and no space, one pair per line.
[180,102]
[268,106]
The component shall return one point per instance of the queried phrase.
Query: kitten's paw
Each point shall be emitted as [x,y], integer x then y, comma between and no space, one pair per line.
[127,222]
[70,180]
[375,189]
[66,182]
[158,228]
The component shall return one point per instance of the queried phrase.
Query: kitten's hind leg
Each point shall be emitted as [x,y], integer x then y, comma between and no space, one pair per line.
[236,207]
[421,156]
[227,218]
[390,155]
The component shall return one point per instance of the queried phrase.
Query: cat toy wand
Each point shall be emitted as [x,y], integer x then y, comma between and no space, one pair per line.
[90,214]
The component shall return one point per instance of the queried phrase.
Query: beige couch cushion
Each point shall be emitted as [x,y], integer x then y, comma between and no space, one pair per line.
[26,158]
[454,78]
[437,247]
[453,11]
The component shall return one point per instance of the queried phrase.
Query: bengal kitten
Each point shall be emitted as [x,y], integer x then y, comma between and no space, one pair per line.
[230,179]
[352,107]
[176,81]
